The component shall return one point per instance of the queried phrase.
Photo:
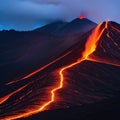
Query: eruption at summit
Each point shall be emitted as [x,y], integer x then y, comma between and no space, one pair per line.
[82,15]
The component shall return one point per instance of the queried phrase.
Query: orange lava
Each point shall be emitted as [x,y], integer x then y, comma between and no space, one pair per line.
[33,73]
[106,25]
[90,47]
[92,41]
[38,70]
[115,29]
[104,61]
[109,62]
[3,99]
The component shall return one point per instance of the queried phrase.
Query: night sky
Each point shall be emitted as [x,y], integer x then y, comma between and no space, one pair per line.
[30,14]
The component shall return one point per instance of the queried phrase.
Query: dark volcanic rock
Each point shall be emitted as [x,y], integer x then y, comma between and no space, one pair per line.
[86,85]
[105,110]
[77,26]
[52,27]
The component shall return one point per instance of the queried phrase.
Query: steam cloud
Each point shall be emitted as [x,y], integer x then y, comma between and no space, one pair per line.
[29,14]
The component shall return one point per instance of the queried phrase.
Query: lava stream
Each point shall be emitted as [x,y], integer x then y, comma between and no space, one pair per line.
[38,70]
[5,98]
[90,47]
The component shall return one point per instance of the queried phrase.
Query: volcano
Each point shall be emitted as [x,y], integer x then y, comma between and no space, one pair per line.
[79,82]
[77,26]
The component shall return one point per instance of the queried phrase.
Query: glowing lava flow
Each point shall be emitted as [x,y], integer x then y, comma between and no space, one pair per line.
[2,100]
[90,47]
[92,41]
[38,70]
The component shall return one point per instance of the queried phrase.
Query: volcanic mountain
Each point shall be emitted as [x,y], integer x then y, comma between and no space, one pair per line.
[85,75]
[77,26]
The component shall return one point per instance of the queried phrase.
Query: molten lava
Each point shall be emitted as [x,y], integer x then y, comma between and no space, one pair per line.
[113,42]
[38,70]
[92,41]
[90,47]
[3,99]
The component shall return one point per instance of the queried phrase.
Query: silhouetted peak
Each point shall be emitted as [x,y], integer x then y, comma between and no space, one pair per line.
[78,26]
[83,20]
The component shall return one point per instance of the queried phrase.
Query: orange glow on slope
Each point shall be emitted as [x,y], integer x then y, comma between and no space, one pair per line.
[99,60]
[106,25]
[92,42]
[104,61]
[33,73]
[115,29]
[90,47]
[38,70]
[2,100]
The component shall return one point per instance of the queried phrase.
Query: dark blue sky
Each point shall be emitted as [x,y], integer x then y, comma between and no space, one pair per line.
[29,14]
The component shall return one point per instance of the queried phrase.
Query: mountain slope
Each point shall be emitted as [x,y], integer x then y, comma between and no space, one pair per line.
[89,81]
[106,109]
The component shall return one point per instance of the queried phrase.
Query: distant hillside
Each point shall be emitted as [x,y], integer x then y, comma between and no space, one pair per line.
[52,27]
